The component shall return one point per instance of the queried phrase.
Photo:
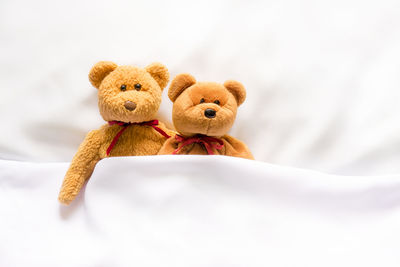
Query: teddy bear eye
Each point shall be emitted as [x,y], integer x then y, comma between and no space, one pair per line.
[123,87]
[202,100]
[216,102]
[138,86]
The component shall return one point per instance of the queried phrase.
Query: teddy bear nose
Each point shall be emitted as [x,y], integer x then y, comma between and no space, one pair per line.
[129,105]
[209,113]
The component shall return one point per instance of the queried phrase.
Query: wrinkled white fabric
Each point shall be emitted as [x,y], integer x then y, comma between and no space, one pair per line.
[322,77]
[197,211]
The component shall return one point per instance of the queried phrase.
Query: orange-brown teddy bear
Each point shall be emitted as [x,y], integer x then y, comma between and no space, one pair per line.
[129,98]
[203,112]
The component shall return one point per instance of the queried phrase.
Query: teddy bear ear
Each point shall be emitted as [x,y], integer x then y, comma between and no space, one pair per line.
[237,90]
[159,73]
[179,84]
[99,71]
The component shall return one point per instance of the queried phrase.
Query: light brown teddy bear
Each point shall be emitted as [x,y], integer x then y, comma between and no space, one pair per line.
[203,112]
[129,98]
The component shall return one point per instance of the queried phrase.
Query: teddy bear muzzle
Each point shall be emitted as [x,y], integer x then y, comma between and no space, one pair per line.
[129,105]
[210,113]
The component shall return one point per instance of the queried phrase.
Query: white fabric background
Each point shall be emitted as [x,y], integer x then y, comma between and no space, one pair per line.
[322,76]
[323,83]
[198,211]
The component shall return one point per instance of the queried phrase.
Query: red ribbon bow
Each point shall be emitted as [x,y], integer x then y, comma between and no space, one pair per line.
[208,142]
[125,125]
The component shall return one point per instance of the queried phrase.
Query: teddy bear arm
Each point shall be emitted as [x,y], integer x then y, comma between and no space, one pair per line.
[169,147]
[166,129]
[236,148]
[81,167]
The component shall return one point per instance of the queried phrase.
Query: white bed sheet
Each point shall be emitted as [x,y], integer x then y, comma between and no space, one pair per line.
[197,211]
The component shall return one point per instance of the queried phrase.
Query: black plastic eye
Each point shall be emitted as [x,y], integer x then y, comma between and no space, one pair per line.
[138,86]
[123,87]
[202,100]
[216,102]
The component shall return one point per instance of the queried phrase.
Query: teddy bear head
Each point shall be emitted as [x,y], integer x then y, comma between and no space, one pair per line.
[128,93]
[204,107]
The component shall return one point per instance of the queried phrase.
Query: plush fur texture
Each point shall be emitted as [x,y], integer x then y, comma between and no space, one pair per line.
[120,99]
[191,100]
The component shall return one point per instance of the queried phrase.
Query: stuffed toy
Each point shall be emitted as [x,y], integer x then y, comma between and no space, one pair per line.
[203,112]
[128,98]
